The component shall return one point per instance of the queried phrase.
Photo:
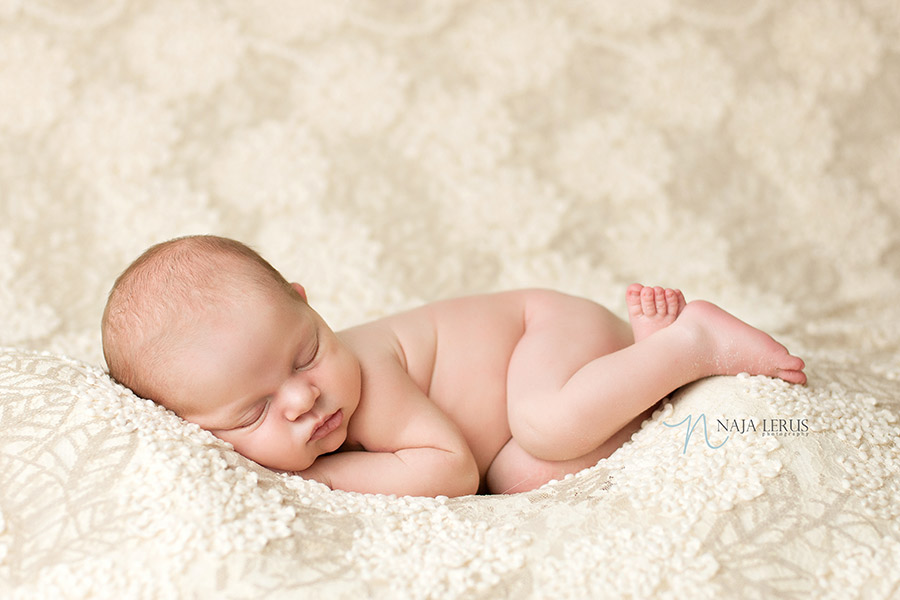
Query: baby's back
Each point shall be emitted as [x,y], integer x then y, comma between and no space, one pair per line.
[458,352]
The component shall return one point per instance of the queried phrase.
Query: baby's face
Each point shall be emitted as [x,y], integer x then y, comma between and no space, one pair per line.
[271,378]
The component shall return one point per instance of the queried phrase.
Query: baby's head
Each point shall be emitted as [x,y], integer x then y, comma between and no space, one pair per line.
[157,301]
[209,329]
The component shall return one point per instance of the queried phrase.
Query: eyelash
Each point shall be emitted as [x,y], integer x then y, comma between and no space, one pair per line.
[311,360]
[257,418]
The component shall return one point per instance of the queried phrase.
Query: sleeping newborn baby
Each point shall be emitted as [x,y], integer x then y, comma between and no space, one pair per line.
[495,393]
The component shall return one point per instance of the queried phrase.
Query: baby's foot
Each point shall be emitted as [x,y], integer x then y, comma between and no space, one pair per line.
[729,346]
[652,308]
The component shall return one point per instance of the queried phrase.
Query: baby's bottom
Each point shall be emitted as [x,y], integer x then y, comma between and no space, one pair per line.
[514,470]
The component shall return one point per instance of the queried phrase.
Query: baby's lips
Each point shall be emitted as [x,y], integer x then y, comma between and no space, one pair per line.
[327,426]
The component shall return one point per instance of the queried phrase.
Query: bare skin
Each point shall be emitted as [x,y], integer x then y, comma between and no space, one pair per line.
[497,393]
[652,308]
[628,383]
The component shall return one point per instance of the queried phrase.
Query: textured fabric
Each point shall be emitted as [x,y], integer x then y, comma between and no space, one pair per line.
[389,153]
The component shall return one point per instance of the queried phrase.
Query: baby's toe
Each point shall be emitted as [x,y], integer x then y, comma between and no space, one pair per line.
[791,376]
[633,298]
[660,296]
[671,302]
[793,363]
[648,301]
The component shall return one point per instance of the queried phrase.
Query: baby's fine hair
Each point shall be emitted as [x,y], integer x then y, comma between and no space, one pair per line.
[170,284]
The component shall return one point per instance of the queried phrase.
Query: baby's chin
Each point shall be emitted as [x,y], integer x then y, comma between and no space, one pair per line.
[334,440]
[298,466]
[330,448]
[293,469]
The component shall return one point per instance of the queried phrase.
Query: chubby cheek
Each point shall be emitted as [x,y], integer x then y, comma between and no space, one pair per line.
[248,449]
[276,450]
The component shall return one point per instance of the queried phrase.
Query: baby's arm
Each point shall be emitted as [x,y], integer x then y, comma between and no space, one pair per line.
[411,447]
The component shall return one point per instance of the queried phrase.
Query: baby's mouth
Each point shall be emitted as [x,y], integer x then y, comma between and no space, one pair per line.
[327,426]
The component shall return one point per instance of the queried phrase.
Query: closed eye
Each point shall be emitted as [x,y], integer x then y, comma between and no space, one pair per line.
[307,362]
[256,418]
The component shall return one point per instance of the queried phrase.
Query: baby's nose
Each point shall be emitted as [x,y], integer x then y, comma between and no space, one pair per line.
[297,399]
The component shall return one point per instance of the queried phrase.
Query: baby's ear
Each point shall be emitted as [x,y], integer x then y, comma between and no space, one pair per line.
[300,290]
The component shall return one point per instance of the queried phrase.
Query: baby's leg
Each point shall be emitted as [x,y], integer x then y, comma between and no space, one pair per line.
[514,470]
[560,409]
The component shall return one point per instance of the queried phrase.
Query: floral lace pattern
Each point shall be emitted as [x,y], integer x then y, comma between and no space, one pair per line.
[390,153]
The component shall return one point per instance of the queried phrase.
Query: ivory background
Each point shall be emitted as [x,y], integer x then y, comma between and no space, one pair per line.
[386,153]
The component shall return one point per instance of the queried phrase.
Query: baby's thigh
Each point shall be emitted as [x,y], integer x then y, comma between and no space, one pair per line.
[562,334]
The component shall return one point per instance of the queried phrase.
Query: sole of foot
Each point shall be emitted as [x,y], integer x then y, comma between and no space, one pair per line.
[734,346]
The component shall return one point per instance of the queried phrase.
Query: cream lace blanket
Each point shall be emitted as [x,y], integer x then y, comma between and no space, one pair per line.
[389,153]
